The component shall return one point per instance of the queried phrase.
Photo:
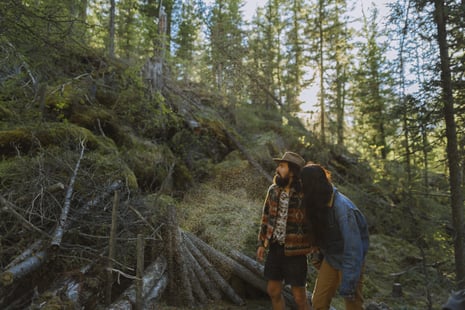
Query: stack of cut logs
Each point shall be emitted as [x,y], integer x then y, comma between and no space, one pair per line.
[202,272]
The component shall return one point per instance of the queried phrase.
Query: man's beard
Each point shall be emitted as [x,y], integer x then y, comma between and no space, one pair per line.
[280,181]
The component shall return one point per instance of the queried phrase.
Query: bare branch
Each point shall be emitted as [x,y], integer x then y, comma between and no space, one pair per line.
[63,222]
[10,208]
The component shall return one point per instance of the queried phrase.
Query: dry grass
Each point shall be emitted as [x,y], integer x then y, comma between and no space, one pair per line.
[226,211]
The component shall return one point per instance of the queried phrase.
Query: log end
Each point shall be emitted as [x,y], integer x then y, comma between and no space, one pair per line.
[7,278]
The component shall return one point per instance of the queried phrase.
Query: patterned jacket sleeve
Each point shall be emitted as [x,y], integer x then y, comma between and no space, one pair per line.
[262,233]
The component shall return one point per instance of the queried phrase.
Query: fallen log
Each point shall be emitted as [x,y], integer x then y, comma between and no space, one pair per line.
[153,274]
[152,297]
[210,287]
[63,222]
[248,262]
[69,287]
[23,268]
[35,247]
[177,268]
[197,288]
[228,264]
[213,273]
[156,292]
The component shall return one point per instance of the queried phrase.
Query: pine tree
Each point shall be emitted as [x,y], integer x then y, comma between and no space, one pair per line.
[371,94]
[185,40]
[226,45]
[265,47]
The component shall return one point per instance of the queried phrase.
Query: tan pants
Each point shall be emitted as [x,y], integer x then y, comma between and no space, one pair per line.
[326,285]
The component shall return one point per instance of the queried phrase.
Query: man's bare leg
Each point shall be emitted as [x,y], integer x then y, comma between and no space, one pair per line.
[274,289]
[300,297]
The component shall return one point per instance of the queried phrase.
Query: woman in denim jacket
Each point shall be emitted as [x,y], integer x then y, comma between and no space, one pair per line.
[341,232]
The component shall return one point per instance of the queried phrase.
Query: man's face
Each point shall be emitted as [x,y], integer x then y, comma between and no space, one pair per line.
[282,174]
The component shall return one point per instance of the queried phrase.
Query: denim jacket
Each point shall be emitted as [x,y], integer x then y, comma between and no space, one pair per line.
[346,244]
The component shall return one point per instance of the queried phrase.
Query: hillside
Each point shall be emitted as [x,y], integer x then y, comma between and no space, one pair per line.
[98,131]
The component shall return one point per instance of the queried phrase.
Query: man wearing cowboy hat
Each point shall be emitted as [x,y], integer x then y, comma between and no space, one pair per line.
[284,233]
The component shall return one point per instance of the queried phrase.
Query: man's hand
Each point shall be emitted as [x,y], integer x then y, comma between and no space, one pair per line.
[260,253]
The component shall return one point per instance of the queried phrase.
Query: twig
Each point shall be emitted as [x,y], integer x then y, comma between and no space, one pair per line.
[120,273]
[112,247]
[144,220]
[10,208]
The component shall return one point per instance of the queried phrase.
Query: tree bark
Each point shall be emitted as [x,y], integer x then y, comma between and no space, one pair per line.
[227,264]
[177,269]
[23,268]
[70,287]
[197,288]
[111,26]
[153,284]
[111,249]
[251,264]
[207,283]
[213,273]
[63,223]
[456,202]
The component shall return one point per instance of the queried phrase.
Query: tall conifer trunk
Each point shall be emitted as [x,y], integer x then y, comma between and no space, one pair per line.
[452,149]
[321,72]
[111,40]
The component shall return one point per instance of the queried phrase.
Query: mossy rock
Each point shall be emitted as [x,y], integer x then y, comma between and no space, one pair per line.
[26,140]
[151,164]
[101,122]
[109,167]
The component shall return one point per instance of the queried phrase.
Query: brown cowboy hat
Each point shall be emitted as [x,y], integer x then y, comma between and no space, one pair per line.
[291,157]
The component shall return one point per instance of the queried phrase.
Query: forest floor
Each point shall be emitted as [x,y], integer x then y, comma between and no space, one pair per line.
[254,304]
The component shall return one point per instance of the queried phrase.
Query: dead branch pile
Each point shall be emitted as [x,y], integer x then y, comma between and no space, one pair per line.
[186,271]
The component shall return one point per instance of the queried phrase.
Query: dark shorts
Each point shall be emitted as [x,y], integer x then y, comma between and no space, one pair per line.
[291,269]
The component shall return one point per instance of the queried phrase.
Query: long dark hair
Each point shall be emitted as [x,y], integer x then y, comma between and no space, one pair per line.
[317,189]
[295,182]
